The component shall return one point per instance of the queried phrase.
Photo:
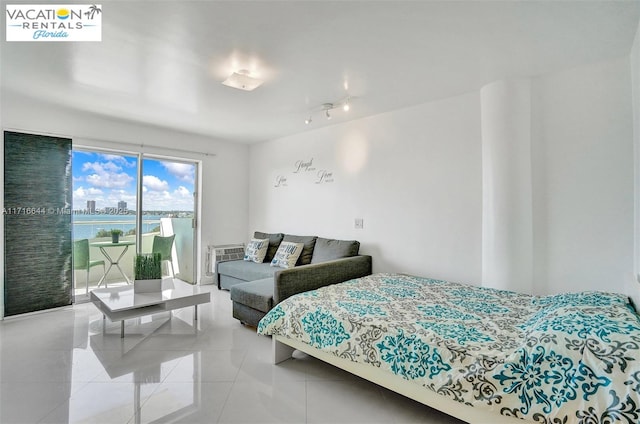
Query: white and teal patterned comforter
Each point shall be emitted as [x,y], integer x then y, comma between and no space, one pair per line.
[571,358]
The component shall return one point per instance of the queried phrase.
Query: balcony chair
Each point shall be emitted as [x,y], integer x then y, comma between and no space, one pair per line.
[163,245]
[81,259]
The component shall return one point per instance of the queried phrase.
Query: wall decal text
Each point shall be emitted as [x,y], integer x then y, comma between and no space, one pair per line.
[301,165]
[281,181]
[324,176]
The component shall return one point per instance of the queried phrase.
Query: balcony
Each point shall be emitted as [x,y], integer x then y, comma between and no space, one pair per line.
[183,252]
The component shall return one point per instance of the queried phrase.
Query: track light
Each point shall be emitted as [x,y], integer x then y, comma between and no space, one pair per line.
[328,107]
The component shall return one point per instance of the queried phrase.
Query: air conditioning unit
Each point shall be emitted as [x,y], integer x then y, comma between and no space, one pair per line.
[222,253]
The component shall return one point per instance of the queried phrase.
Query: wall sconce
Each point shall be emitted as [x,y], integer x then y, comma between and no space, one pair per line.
[328,107]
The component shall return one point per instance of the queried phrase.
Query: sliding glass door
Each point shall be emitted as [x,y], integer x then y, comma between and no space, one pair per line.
[168,203]
[143,198]
[105,187]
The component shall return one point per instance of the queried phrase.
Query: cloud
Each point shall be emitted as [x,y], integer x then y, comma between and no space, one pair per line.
[116,196]
[182,171]
[182,191]
[154,183]
[109,180]
[179,199]
[100,167]
[81,195]
[106,175]
[83,192]
[118,159]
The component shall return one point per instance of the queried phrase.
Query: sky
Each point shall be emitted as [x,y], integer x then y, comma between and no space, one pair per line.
[109,178]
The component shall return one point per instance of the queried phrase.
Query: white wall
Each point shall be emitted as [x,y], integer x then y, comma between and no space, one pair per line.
[413,175]
[507,221]
[224,186]
[633,286]
[583,178]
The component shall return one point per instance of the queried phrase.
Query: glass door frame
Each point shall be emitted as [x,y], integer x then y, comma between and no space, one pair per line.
[140,156]
[196,202]
[79,147]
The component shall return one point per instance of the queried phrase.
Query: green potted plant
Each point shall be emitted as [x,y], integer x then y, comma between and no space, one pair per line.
[115,235]
[147,273]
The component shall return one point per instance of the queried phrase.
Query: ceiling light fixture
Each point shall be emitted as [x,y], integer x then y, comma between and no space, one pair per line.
[328,107]
[242,80]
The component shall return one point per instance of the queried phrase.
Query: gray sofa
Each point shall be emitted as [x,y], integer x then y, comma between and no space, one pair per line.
[255,288]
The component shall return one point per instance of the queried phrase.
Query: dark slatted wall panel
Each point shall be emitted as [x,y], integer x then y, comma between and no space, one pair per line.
[37,223]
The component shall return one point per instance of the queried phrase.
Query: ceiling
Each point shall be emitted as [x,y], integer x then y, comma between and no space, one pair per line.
[162,62]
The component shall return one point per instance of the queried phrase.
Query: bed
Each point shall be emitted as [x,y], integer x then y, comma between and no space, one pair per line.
[479,354]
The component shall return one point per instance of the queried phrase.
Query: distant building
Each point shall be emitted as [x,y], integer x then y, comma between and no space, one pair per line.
[91,206]
[122,207]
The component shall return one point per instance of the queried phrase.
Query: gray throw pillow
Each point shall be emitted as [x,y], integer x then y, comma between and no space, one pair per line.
[307,251]
[330,249]
[274,242]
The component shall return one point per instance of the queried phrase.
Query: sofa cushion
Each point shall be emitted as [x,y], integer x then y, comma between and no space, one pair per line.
[256,294]
[256,250]
[287,254]
[330,249]
[307,251]
[226,282]
[274,243]
[247,315]
[247,271]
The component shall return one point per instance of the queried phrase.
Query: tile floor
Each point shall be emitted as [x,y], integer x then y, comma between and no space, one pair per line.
[59,367]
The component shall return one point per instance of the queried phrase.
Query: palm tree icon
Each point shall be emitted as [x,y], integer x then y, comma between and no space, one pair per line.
[92,11]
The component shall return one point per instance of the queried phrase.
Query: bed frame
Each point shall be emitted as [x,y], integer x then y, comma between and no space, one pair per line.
[283,348]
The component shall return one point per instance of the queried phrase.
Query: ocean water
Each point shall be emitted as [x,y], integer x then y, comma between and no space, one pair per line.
[87,226]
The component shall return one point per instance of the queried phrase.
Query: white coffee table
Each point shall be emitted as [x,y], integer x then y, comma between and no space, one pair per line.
[121,303]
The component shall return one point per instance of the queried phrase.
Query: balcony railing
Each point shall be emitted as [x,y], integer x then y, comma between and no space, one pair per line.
[88,229]
[182,257]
